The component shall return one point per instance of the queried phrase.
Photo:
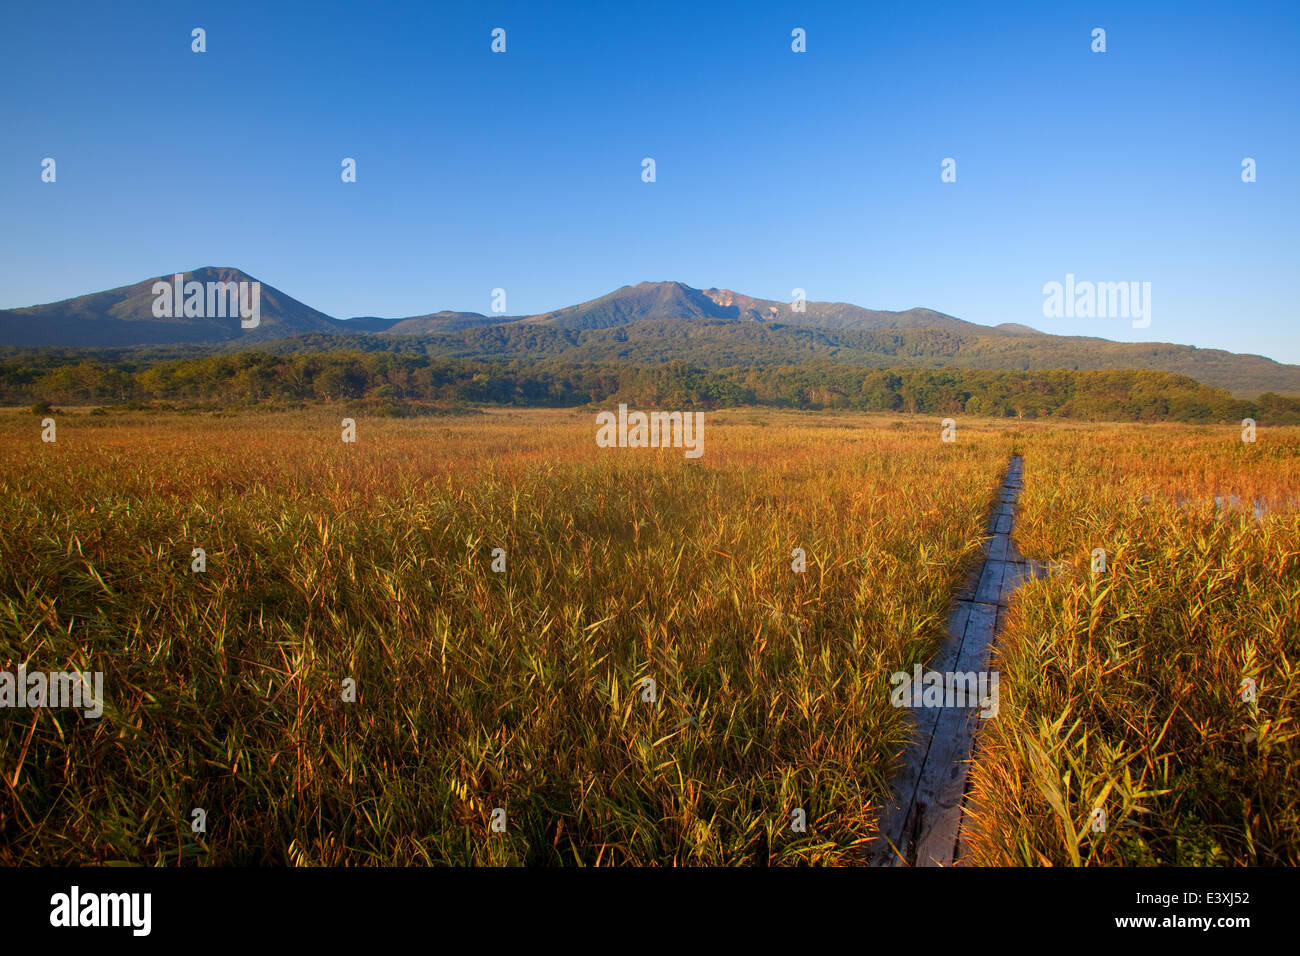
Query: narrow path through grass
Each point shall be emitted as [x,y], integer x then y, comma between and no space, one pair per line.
[922,825]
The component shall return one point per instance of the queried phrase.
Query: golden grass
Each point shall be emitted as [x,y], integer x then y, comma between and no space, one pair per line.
[477,690]
[1123,690]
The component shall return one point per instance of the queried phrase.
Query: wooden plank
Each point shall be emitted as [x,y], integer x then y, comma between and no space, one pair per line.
[990,589]
[943,779]
[922,824]
[896,816]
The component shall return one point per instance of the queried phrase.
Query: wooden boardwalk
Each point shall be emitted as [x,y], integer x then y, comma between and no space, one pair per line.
[922,824]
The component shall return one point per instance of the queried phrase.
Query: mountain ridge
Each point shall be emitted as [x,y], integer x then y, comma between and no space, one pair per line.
[649,322]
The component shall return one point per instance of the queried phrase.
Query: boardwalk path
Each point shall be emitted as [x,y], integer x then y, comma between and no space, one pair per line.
[922,824]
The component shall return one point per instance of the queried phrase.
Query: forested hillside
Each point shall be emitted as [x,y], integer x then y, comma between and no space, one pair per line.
[647,323]
[403,384]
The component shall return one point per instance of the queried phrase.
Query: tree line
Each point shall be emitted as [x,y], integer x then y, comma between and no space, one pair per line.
[388,380]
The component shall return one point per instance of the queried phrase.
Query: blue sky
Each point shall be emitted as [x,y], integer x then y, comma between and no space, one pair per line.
[775,170]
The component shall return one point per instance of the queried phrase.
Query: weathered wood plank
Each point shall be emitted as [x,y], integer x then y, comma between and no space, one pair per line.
[896,816]
[922,825]
[943,779]
[990,589]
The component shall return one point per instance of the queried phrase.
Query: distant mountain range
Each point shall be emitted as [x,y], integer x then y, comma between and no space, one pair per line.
[645,323]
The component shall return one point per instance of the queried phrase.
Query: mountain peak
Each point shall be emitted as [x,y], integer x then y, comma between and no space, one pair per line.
[651,321]
[124,317]
[633,303]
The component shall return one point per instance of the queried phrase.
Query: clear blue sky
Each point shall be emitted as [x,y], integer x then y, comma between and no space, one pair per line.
[775,170]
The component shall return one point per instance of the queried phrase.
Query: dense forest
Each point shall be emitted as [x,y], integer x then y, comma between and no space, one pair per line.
[717,344]
[389,383]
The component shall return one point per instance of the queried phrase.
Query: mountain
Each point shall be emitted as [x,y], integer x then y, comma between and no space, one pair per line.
[838,315]
[648,300]
[719,343]
[648,323]
[125,317]
[675,300]
[441,322]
